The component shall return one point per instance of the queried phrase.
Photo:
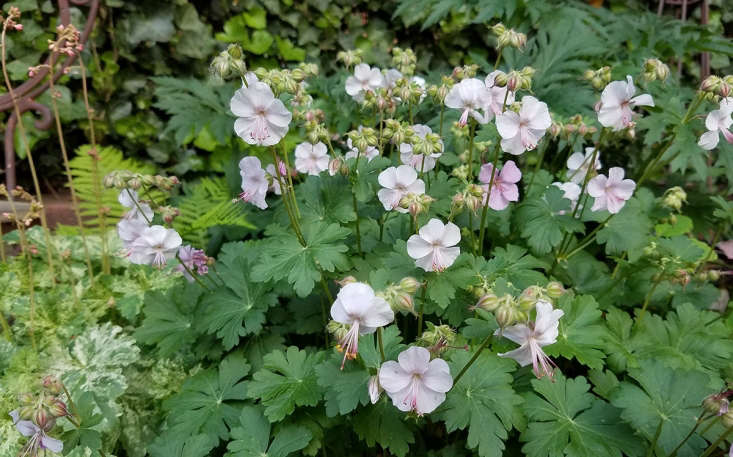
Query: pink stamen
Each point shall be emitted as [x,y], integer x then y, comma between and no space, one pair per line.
[350,343]
[464,118]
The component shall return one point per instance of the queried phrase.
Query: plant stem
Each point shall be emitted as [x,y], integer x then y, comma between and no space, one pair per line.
[284,190]
[473,359]
[290,182]
[383,222]
[498,58]
[7,332]
[471,132]
[381,343]
[537,165]
[650,451]
[589,238]
[716,443]
[422,307]
[358,231]
[485,210]
[69,177]
[687,437]
[648,298]
[31,163]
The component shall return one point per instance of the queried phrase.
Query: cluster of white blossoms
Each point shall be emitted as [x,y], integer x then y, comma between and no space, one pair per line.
[718,122]
[368,79]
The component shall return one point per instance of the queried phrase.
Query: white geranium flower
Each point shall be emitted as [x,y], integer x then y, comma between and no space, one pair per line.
[254,182]
[717,121]
[532,337]
[617,102]
[497,94]
[579,164]
[434,247]
[396,183]
[311,158]
[521,132]
[38,441]
[571,191]
[416,160]
[358,306]
[364,79]
[155,246]
[611,192]
[390,78]
[414,382]
[130,199]
[262,119]
[471,97]
[130,229]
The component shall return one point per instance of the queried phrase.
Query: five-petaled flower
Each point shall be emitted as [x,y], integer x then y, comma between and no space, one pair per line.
[38,439]
[611,192]
[532,337]
[262,119]
[471,97]
[718,122]
[254,182]
[579,164]
[311,158]
[522,131]
[397,182]
[434,247]
[154,246]
[499,97]
[504,188]
[358,306]
[137,210]
[420,162]
[617,102]
[364,79]
[414,382]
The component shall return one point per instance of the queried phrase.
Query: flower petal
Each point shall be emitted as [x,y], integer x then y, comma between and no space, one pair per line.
[388,178]
[51,444]
[451,235]
[427,400]
[507,124]
[433,231]
[356,299]
[522,354]
[709,140]
[642,100]
[438,377]
[510,173]
[392,377]
[418,247]
[414,360]
[339,314]
[379,315]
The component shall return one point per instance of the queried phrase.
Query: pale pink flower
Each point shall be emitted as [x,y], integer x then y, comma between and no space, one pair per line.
[521,132]
[579,164]
[571,191]
[254,182]
[358,306]
[416,160]
[434,247]
[611,192]
[311,158]
[130,229]
[396,183]
[504,188]
[365,79]
[414,382]
[194,259]
[272,179]
[617,102]
[39,441]
[262,119]
[155,246]
[497,94]
[391,77]
[471,98]
[137,210]
[532,337]
[717,122]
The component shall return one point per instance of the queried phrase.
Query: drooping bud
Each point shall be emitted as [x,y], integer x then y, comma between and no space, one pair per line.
[346,281]
[52,385]
[489,302]
[717,404]
[337,329]
[554,289]
[529,298]
[437,334]
[505,314]
[409,284]
[58,408]
[674,197]
[655,69]
[711,84]
[375,390]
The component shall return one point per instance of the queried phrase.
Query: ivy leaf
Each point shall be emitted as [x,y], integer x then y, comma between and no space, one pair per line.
[238,308]
[667,396]
[169,318]
[288,379]
[581,331]
[284,257]
[542,224]
[566,419]
[483,400]
[385,425]
[252,438]
[204,404]
[343,389]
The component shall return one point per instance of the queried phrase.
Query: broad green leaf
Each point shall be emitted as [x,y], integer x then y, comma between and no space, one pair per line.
[541,220]
[385,425]
[288,51]
[259,42]
[566,419]
[482,401]
[616,234]
[288,379]
[284,257]
[343,389]
[681,226]
[206,403]
[255,18]
[194,446]
[238,307]
[442,286]
[85,435]
[581,331]
[252,437]
[667,396]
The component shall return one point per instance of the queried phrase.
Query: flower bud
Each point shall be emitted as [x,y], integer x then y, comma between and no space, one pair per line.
[655,69]
[26,412]
[334,166]
[710,84]
[58,408]
[403,301]
[346,281]
[674,197]
[52,385]
[42,418]
[409,284]
[717,404]
[529,298]
[727,419]
[554,289]
[337,329]
[375,390]
[505,314]
[489,302]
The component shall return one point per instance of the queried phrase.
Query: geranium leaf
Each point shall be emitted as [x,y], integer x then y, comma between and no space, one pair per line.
[581,331]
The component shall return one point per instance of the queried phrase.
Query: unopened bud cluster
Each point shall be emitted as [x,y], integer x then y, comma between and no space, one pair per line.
[405,60]
[229,63]
[289,81]
[508,37]
[655,69]
[508,309]
[598,78]
[400,295]
[124,179]
[363,138]
[416,204]
[351,57]
[516,80]
[718,405]
[11,21]
[714,87]
[466,71]
[471,197]
[438,93]
[44,408]
[437,338]
[674,198]
[576,125]
[398,132]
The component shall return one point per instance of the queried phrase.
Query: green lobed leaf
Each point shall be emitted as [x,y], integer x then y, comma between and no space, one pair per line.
[252,437]
[582,333]
[541,222]
[385,425]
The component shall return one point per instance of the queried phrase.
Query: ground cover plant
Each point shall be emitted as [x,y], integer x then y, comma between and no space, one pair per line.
[522,257]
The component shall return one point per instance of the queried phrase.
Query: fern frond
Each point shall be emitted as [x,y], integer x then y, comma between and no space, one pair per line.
[93,196]
[194,105]
[206,204]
